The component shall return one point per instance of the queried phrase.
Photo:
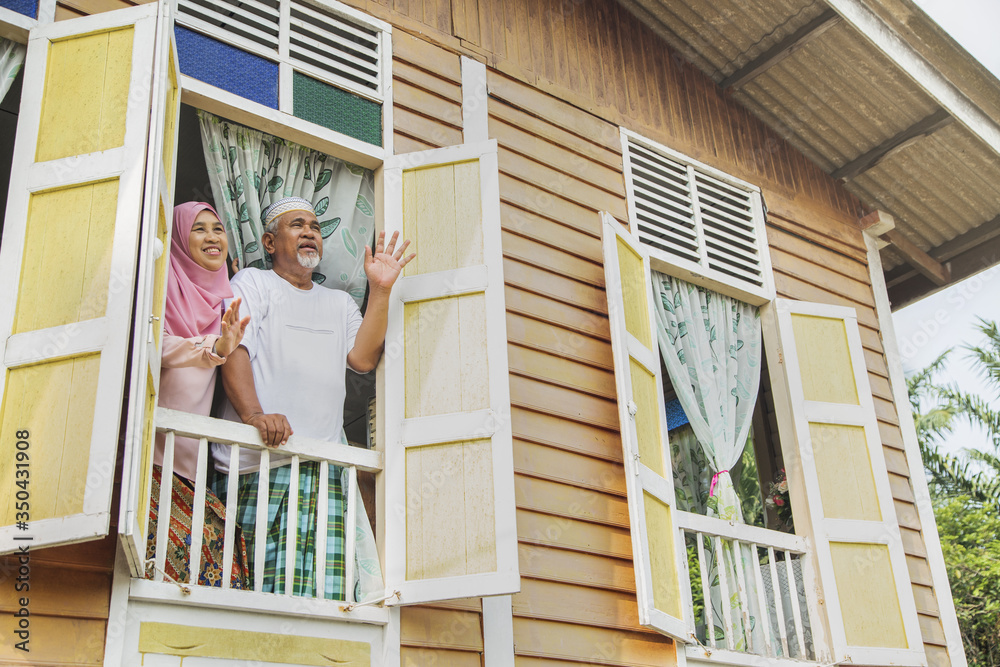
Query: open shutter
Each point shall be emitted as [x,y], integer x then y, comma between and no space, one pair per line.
[151,288]
[658,553]
[69,250]
[842,482]
[449,470]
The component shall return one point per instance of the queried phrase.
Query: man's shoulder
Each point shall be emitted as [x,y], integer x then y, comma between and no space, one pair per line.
[253,276]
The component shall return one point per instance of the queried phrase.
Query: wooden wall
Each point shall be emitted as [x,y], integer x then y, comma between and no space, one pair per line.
[71,9]
[69,598]
[577,599]
[563,76]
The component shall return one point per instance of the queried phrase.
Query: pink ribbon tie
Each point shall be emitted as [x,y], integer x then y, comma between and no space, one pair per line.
[715,479]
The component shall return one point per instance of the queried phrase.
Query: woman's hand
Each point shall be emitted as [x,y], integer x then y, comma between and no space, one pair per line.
[232,329]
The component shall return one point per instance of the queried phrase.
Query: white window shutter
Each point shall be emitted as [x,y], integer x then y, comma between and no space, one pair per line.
[449,522]
[658,552]
[151,288]
[71,233]
[838,472]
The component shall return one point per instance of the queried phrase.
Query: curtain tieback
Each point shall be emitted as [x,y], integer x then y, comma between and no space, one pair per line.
[715,480]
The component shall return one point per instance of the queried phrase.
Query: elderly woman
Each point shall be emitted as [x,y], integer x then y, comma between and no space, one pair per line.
[198,336]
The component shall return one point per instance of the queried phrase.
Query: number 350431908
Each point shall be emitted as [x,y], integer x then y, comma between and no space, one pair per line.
[22,476]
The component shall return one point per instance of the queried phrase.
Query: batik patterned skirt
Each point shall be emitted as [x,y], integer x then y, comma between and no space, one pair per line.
[177,564]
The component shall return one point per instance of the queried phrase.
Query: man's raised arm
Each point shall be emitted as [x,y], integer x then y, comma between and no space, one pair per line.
[382,268]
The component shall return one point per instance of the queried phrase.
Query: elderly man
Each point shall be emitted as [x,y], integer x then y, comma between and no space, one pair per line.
[288,376]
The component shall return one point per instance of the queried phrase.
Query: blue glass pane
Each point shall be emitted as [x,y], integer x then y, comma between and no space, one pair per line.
[227,67]
[26,7]
[675,415]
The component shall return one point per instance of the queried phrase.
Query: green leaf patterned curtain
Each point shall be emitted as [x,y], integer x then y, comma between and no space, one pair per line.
[692,472]
[711,347]
[249,170]
[11,59]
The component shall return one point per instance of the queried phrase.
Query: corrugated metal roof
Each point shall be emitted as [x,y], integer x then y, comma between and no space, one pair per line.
[839,96]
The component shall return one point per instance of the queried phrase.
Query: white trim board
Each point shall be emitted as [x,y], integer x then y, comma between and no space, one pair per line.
[15,26]
[201,95]
[498,631]
[918,480]
[475,119]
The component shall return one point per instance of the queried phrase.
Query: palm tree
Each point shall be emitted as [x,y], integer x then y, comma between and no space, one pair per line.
[973,472]
[966,493]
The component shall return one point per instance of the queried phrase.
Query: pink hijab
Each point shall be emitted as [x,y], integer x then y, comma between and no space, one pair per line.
[194,294]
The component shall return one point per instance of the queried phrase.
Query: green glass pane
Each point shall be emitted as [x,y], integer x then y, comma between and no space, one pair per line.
[337,109]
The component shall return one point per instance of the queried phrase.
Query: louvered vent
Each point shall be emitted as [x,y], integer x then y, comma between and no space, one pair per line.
[339,48]
[693,219]
[253,20]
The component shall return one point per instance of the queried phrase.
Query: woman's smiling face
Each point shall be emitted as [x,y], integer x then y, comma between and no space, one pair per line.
[207,241]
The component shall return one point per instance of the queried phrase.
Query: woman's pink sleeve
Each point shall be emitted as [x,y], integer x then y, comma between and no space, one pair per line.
[186,352]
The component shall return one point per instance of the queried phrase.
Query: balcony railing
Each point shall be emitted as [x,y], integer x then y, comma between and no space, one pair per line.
[763,595]
[242,437]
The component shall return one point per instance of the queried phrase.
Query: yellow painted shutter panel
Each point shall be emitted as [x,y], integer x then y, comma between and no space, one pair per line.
[70,238]
[449,524]
[657,549]
[844,501]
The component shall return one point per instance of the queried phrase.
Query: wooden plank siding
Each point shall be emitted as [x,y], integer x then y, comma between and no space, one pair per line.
[426,95]
[71,9]
[562,77]
[559,164]
[69,600]
[577,601]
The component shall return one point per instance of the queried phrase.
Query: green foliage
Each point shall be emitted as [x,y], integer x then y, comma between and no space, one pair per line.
[697,594]
[970,539]
[965,489]
[747,484]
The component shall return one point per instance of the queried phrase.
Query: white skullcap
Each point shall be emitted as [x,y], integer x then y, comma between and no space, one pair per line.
[282,206]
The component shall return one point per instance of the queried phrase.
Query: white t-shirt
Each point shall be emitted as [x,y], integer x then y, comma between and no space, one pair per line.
[298,342]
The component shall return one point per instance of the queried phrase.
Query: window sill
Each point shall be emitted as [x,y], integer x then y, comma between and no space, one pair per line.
[705,655]
[250,601]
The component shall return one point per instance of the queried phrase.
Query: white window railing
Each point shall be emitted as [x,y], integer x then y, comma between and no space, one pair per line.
[242,437]
[766,597]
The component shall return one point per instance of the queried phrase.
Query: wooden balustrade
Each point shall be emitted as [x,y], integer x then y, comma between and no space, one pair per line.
[765,577]
[298,449]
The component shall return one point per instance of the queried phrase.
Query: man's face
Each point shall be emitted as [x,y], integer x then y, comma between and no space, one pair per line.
[296,239]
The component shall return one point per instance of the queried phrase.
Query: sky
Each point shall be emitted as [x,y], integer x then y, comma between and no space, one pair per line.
[947,319]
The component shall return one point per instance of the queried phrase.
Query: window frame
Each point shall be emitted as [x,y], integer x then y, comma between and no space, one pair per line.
[826,623]
[281,122]
[763,298]
[200,95]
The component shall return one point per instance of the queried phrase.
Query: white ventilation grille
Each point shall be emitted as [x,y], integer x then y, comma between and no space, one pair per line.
[695,218]
[255,21]
[339,47]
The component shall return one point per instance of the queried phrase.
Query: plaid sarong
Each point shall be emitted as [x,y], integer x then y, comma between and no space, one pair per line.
[274,560]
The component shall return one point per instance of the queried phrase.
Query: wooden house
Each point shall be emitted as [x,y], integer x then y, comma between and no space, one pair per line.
[819,161]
